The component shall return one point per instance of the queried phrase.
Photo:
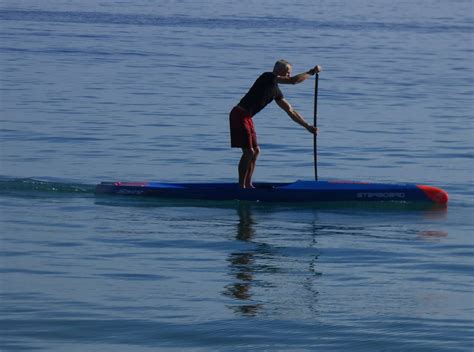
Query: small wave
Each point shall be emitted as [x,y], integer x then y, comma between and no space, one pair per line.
[20,185]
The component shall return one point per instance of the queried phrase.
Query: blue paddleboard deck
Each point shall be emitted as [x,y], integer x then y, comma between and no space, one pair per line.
[295,192]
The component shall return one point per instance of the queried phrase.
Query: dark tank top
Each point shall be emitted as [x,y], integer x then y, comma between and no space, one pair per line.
[263,92]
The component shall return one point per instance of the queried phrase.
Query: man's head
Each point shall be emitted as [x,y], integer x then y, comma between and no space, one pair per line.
[282,68]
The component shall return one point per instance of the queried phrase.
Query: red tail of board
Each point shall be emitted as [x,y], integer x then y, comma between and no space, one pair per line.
[437,195]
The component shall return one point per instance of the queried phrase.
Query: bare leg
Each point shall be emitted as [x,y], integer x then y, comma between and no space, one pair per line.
[253,162]
[246,167]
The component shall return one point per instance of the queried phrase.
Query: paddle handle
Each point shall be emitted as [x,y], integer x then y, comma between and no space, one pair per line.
[315,124]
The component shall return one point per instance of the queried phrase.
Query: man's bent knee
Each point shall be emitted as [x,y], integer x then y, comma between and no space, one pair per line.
[250,152]
[256,151]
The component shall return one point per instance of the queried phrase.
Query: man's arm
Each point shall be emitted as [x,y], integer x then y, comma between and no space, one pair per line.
[295,116]
[299,77]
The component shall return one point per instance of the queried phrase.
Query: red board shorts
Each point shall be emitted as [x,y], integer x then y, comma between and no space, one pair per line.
[242,130]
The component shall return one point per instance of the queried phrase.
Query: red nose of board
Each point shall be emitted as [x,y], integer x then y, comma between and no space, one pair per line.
[437,195]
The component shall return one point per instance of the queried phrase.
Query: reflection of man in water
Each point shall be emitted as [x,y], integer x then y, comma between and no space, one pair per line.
[242,265]
[255,268]
[245,230]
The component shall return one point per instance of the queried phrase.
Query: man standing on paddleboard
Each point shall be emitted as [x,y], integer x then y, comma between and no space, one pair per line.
[264,91]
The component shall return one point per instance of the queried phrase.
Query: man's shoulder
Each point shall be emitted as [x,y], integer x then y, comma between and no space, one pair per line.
[268,74]
[267,77]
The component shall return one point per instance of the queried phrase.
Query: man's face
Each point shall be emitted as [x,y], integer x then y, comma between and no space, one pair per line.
[286,71]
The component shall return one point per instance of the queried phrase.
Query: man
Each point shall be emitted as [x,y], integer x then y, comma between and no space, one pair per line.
[264,91]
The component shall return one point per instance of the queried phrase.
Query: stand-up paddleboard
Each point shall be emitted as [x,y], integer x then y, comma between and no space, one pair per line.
[295,192]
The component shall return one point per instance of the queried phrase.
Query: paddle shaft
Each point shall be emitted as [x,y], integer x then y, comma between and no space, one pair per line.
[315,123]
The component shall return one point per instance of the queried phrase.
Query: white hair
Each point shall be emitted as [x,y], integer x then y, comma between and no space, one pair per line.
[281,65]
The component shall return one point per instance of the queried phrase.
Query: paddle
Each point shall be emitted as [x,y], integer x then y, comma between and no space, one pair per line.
[315,125]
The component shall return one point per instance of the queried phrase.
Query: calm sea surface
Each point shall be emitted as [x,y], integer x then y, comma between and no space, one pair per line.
[141,90]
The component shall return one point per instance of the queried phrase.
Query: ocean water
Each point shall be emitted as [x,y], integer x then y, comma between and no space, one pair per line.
[119,90]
